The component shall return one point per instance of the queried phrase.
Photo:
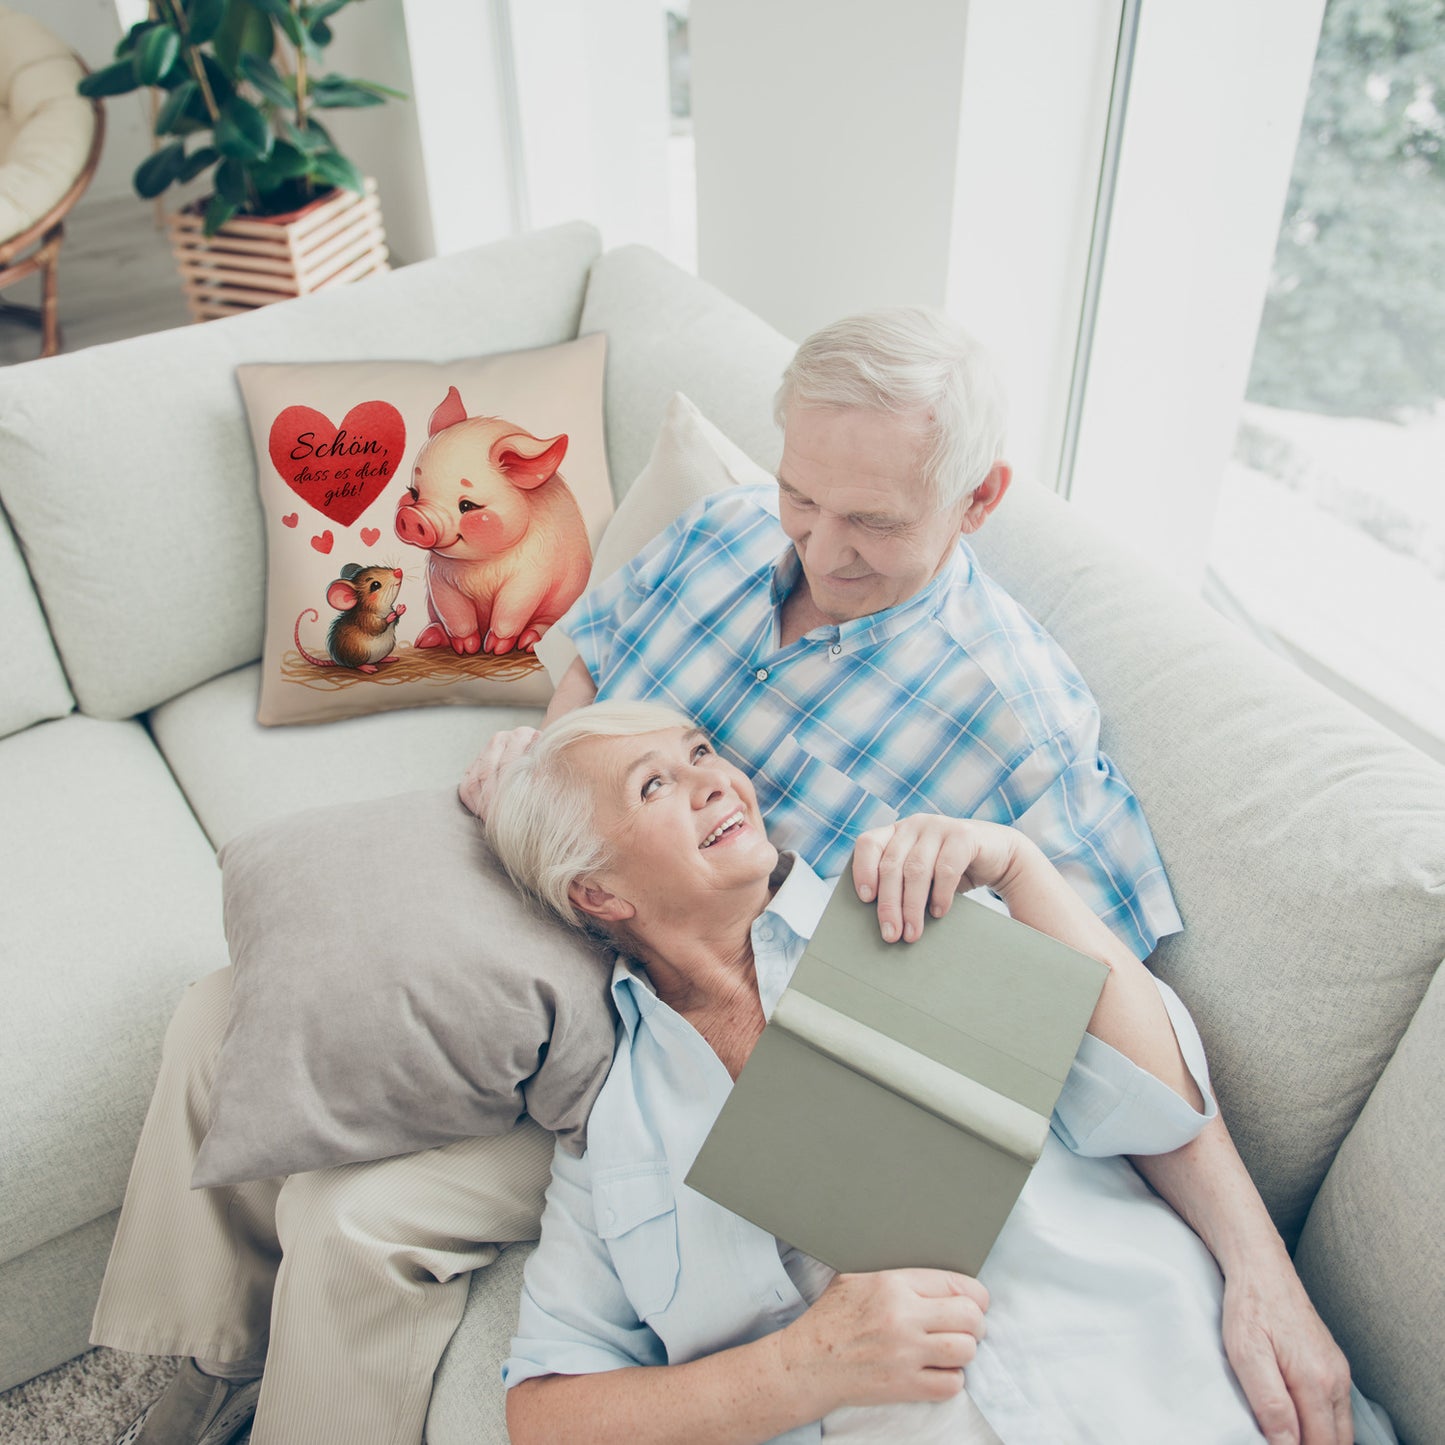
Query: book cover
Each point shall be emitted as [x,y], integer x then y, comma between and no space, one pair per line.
[900,1094]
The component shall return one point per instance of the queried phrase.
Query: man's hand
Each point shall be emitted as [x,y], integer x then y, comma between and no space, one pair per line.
[916,865]
[475,788]
[1295,1377]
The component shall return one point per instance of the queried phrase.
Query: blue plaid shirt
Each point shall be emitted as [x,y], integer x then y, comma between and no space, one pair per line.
[955,702]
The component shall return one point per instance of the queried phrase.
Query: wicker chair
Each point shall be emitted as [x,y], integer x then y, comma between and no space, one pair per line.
[50,140]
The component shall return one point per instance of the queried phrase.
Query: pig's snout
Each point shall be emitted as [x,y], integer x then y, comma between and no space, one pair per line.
[414,526]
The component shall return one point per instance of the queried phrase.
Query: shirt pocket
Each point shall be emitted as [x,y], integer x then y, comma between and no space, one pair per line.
[636,1212]
[817,809]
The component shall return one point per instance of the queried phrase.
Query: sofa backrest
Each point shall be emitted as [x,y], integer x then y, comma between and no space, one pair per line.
[128,474]
[35,687]
[1302,840]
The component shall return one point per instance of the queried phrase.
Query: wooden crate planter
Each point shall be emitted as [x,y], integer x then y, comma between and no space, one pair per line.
[255,260]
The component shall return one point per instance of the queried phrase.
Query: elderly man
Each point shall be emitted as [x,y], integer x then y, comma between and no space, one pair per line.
[839,641]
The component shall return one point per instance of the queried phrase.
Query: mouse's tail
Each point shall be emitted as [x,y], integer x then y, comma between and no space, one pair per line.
[315,616]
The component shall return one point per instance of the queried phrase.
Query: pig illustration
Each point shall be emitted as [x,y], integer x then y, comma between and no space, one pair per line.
[509,551]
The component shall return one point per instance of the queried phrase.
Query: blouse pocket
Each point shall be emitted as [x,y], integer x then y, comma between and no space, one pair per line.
[637,1217]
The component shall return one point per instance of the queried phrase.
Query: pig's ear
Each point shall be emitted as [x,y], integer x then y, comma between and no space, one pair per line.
[449,413]
[527,461]
[341,595]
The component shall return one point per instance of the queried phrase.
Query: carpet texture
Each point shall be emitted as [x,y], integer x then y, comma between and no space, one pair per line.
[86,1402]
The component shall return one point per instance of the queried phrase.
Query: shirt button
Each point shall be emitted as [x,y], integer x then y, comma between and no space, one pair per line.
[761,674]
[836,648]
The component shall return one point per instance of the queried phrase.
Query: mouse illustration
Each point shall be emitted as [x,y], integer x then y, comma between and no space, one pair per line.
[363,633]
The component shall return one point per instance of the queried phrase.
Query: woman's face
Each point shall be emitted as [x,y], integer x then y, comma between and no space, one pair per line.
[681,823]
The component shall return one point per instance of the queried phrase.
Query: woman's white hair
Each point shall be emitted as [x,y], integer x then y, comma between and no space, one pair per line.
[542,820]
[908,360]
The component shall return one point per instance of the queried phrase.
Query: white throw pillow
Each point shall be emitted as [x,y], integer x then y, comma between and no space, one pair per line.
[691,459]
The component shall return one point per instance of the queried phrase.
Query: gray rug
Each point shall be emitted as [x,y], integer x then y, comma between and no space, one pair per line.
[86,1402]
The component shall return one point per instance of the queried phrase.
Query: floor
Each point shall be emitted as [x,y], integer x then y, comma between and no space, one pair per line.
[117,279]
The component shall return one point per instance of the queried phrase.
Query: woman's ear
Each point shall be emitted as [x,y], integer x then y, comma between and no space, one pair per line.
[596,902]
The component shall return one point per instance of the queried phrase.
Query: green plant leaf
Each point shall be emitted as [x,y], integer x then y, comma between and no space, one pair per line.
[157,171]
[333,168]
[242,132]
[313,140]
[159,49]
[277,88]
[223,86]
[324,11]
[117,79]
[287,163]
[131,38]
[244,31]
[203,19]
[320,35]
[333,92]
[174,109]
[196,162]
[218,212]
[378,89]
[285,17]
[231,181]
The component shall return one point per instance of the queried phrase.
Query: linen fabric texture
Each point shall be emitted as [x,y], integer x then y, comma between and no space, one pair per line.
[423,521]
[393,993]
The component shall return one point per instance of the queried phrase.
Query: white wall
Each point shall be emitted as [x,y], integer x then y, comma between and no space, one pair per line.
[827,145]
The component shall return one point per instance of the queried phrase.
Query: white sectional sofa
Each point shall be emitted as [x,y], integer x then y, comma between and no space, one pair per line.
[1305,845]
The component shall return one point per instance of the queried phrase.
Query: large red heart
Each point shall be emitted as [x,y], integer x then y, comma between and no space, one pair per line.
[338,470]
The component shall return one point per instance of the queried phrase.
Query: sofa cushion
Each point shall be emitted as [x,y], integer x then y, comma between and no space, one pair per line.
[1301,840]
[669,332]
[128,474]
[35,687]
[110,906]
[1372,1254]
[237,774]
[364,467]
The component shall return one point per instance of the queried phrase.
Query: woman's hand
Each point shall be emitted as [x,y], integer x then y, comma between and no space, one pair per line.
[475,788]
[918,864]
[897,1335]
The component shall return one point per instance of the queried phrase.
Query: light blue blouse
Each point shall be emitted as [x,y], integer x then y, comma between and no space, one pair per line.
[1105,1316]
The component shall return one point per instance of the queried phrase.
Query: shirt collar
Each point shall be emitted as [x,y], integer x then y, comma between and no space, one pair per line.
[780,931]
[878,626]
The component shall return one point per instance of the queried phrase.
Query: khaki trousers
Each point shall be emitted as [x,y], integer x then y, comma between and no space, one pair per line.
[350,1281]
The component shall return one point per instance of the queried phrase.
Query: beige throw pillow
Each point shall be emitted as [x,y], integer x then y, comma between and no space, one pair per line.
[392,992]
[426,523]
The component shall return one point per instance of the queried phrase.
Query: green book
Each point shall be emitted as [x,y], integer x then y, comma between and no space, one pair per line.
[900,1094]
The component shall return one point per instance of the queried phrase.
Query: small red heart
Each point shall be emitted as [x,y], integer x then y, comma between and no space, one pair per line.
[339,470]
[324,541]
[289,520]
[370,536]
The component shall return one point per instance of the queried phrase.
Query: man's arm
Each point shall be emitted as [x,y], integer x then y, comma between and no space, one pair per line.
[1295,1377]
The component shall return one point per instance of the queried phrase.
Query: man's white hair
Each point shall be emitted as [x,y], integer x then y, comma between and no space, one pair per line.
[908,360]
[542,822]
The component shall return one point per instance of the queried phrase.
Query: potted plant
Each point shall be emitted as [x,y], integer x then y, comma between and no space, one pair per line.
[239,85]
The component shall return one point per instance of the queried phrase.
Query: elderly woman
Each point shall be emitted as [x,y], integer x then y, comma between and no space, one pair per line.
[654,1314]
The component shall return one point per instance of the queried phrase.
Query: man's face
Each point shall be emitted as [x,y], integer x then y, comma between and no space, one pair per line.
[852,499]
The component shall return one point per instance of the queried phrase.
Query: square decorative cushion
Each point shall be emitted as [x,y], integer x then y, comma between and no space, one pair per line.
[426,524]
[392,992]
[691,459]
